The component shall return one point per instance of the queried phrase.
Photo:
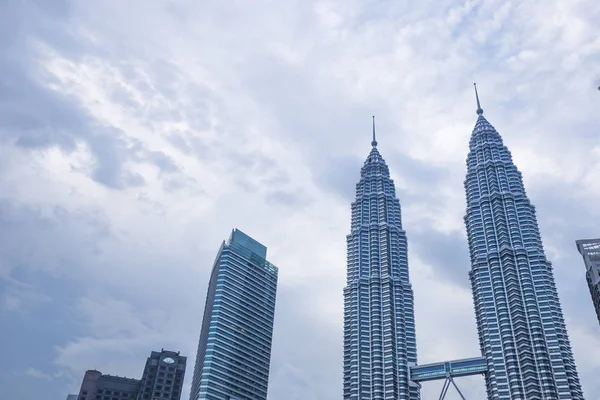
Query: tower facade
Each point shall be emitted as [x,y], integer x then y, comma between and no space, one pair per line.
[521,328]
[234,350]
[163,376]
[590,251]
[379,323]
[96,386]
[162,379]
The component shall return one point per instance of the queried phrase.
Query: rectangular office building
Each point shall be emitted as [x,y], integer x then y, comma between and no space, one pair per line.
[590,251]
[234,350]
[162,380]
[163,376]
[96,386]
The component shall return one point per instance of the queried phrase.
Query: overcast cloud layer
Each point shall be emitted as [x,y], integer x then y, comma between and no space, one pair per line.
[134,135]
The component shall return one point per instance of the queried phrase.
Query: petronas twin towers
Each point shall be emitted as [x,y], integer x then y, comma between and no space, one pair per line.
[526,354]
[379,322]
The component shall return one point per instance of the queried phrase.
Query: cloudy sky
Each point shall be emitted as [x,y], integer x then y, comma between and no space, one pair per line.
[134,135]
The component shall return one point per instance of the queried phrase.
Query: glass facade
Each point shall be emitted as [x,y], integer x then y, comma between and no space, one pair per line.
[521,328]
[234,349]
[379,323]
[590,251]
[441,370]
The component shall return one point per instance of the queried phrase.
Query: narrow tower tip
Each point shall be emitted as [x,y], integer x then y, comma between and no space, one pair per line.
[479,109]
[374,142]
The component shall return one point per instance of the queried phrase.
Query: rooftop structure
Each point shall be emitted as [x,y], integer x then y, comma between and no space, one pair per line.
[96,386]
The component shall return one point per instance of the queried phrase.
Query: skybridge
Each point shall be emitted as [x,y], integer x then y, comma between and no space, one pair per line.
[448,370]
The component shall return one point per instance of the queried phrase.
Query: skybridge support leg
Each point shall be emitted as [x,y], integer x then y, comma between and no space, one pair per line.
[457,389]
[446,386]
[445,389]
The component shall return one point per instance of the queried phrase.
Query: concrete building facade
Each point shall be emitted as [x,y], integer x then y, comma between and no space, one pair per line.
[163,376]
[96,386]
[162,379]
[590,251]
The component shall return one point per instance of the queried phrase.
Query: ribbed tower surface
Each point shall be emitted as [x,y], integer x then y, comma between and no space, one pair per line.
[379,324]
[521,327]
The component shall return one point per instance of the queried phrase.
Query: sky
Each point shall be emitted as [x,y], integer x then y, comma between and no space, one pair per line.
[135,135]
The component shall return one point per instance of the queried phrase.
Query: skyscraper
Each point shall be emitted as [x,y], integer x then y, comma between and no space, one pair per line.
[521,328]
[163,376]
[379,323]
[234,350]
[590,251]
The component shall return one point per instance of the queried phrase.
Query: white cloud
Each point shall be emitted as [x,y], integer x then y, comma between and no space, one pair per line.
[36,373]
[22,298]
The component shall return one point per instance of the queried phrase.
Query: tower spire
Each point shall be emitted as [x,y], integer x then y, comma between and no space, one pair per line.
[479,109]
[374,142]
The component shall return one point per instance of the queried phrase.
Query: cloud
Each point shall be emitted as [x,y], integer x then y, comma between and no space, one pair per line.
[128,151]
[22,299]
[36,373]
[48,237]
[36,117]
[446,254]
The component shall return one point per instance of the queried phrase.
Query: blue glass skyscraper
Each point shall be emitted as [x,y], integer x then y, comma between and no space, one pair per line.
[522,331]
[379,323]
[234,350]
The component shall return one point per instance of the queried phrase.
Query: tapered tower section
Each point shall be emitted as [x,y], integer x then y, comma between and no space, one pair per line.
[379,323]
[521,327]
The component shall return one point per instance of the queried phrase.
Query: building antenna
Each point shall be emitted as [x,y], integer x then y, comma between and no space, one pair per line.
[374,142]
[479,109]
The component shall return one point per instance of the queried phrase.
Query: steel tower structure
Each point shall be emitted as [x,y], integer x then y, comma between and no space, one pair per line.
[379,324]
[521,328]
